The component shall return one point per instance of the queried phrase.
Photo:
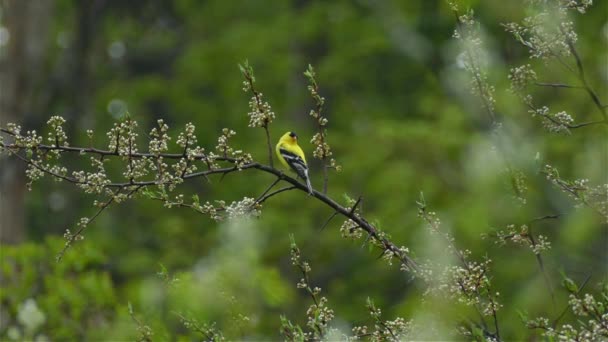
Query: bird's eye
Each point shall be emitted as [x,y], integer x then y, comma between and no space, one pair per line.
[293,134]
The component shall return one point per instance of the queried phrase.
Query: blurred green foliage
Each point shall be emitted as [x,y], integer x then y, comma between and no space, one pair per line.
[401,121]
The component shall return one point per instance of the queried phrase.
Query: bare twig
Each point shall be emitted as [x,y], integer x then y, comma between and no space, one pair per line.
[328,220]
[558,85]
[354,207]
[546,217]
[268,143]
[268,189]
[276,192]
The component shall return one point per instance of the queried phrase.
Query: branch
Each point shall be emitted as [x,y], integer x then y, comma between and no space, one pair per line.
[322,149]
[354,207]
[370,229]
[268,189]
[276,192]
[270,160]
[581,74]
[328,220]
[558,85]
[73,237]
[384,242]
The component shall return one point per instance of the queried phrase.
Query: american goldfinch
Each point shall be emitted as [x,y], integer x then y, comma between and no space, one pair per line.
[292,156]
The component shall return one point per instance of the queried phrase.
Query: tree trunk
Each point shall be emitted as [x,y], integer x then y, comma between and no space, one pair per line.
[21,64]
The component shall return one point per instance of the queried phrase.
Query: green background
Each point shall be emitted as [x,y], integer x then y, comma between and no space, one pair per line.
[401,122]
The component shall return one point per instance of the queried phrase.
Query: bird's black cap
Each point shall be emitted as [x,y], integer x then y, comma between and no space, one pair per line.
[293,134]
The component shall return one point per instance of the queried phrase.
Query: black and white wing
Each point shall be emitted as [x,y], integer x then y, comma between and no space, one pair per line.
[295,163]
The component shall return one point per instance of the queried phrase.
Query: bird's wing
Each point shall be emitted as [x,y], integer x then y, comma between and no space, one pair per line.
[295,162]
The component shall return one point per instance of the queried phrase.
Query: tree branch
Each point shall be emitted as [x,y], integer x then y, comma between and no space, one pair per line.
[557,85]
[348,213]
[582,77]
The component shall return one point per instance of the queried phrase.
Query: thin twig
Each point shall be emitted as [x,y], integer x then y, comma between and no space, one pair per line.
[73,237]
[268,189]
[546,217]
[558,85]
[604,122]
[270,159]
[329,219]
[276,192]
[354,207]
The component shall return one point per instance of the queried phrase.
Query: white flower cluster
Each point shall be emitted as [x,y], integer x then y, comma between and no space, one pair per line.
[182,168]
[122,138]
[93,182]
[473,58]
[38,164]
[222,142]
[595,198]
[322,149]
[319,315]
[261,114]
[319,140]
[123,141]
[577,5]
[57,136]
[541,245]
[465,284]
[350,229]
[521,77]
[594,329]
[209,330]
[556,123]
[521,236]
[29,141]
[396,330]
[241,158]
[187,138]
[247,207]
[160,139]
[549,33]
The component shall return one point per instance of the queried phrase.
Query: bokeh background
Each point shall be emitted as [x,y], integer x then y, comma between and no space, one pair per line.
[401,121]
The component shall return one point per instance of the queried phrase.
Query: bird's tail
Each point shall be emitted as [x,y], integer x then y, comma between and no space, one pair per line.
[308,183]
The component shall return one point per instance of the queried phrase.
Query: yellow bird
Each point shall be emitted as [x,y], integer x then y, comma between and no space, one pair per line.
[292,157]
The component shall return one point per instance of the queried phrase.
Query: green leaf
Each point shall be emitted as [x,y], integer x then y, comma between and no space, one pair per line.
[568,283]
[292,241]
[523,316]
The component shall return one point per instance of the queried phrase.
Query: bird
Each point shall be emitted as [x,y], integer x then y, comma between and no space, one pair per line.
[292,157]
